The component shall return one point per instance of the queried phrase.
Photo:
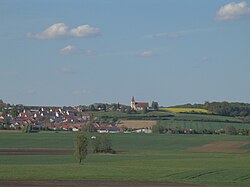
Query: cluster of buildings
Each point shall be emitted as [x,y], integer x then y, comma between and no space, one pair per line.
[137,106]
[50,118]
[57,118]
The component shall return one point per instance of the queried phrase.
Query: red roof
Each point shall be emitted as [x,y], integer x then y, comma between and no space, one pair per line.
[141,105]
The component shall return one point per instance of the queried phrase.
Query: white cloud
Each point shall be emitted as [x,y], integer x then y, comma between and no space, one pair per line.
[147,53]
[60,30]
[67,70]
[84,31]
[233,11]
[89,53]
[165,35]
[178,34]
[68,49]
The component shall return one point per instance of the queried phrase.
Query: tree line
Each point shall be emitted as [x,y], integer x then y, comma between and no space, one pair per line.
[222,108]
[229,130]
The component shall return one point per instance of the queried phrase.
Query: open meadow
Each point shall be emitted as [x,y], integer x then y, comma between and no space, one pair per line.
[194,159]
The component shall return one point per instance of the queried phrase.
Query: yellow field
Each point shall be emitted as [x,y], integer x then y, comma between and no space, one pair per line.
[178,110]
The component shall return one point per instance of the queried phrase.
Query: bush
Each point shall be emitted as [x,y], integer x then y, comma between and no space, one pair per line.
[102,144]
[230,130]
[158,129]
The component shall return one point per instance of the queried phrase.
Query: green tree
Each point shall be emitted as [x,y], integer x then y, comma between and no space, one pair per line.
[145,110]
[91,107]
[106,144]
[230,130]
[102,143]
[89,127]
[155,105]
[14,112]
[27,128]
[123,109]
[158,129]
[81,144]
[95,142]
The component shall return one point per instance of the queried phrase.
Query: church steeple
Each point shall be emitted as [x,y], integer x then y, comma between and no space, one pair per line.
[133,103]
[133,99]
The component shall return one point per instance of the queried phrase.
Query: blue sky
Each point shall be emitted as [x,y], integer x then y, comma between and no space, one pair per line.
[81,52]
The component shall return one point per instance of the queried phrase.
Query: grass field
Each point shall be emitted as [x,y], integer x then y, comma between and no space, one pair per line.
[141,157]
[186,110]
[201,125]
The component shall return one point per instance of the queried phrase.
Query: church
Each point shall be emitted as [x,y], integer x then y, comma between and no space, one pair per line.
[138,105]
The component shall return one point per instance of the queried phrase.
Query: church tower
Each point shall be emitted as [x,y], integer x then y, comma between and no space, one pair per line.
[133,103]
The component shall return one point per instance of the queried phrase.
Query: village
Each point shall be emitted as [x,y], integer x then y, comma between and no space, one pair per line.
[70,118]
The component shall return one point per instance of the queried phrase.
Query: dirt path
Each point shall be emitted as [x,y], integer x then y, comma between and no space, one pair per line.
[34,151]
[94,183]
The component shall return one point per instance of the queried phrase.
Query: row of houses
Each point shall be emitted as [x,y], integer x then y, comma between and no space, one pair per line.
[46,117]
[60,119]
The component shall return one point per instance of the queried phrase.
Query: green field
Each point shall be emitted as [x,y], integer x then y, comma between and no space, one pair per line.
[198,125]
[140,157]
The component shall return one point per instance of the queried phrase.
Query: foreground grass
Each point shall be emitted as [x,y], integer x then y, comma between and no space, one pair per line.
[142,157]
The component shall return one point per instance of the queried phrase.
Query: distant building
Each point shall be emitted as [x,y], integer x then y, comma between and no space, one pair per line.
[138,105]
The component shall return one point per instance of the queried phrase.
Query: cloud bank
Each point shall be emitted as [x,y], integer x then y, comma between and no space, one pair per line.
[60,30]
[232,11]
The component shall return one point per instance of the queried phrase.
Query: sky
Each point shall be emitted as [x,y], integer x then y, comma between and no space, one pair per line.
[67,53]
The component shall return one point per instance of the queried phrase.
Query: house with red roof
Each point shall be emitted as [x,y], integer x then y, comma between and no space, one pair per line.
[138,105]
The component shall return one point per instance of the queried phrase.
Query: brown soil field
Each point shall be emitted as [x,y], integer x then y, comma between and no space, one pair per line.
[221,147]
[34,151]
[2,131]
[136,124]
[96,183]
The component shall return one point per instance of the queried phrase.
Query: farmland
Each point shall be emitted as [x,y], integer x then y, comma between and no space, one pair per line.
[186,110]
[136,124]
[140,157]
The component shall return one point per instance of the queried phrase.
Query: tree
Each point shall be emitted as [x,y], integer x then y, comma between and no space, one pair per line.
[155,105]
[89,127]
[14,112]
[231,130]
[91,108]
[158,129]
[123,109]
[27,128]
[106,144]
[103,144]
[128,110]
[81,144]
